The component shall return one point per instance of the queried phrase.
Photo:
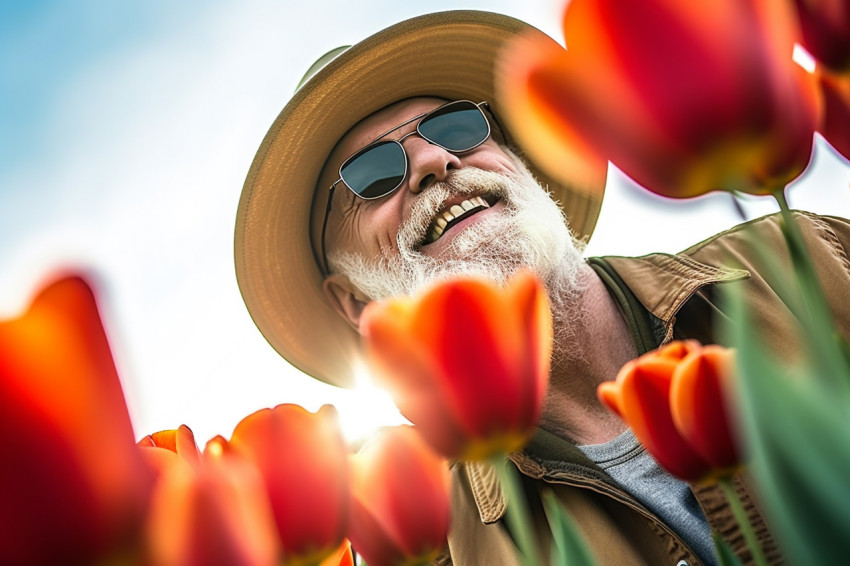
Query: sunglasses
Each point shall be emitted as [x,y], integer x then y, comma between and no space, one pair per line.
[380,168]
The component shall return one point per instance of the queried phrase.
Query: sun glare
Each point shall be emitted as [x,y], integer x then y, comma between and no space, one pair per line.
[803,58]
[367,408]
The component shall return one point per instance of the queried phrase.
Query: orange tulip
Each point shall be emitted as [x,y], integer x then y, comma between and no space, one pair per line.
[835,125]
[341,557]
[163,448]
[467,362]
[684,97]
[303,460]
[825,28]
[215,512]
[700,410]
[400,507]
[73,485]
[674,401]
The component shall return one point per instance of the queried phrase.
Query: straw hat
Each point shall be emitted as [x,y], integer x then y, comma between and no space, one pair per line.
[450,55]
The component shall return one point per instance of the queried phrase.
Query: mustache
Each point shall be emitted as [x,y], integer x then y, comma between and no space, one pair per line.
[468,181]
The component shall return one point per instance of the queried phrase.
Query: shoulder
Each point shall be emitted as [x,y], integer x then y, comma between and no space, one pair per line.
[821,233]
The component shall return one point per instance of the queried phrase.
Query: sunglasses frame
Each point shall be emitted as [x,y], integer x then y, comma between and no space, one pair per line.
[379,142]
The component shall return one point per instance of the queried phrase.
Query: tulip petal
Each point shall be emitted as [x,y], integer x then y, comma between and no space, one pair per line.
[181,441]
[466,361]
[400,509]
[835,125]
[684,98]
[699,406]
[825,28]
[556,146]
[212,514]
[645,405]
[67,497]
[308,487]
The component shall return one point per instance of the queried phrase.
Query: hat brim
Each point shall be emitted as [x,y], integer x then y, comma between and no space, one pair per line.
[450,55]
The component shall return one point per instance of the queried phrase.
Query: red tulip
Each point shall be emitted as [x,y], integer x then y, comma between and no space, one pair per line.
[72,483]
[467,362]
[835,125]
[825,28]
[400,507]
[674,401]
[303,460]
[216,512]
[683,97]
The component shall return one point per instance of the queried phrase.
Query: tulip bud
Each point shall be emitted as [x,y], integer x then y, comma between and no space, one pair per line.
[400,507]
[675,401]
[466,361]
[303,461]
[73,485]
[683,97]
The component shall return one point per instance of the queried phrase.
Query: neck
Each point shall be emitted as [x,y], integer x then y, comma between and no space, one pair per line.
[592,344]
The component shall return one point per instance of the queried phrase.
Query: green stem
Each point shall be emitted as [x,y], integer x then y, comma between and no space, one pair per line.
[818,322]
[516,512]
[743,521]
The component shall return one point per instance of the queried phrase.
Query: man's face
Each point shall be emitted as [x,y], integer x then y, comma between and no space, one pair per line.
[395,244]
[370,227]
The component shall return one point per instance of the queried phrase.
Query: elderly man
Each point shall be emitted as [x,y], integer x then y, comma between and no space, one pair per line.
[389,169]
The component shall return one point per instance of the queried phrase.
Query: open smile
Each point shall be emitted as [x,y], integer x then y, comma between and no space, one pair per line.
[450,216]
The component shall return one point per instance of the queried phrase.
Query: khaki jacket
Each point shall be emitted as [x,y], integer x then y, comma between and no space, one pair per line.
[675,299]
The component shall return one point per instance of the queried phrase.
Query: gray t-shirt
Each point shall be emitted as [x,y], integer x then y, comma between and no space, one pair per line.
[631,466]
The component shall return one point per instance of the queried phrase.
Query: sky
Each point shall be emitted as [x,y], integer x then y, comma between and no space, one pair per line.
[126,132]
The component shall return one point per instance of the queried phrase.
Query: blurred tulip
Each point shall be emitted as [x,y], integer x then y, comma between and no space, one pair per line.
[467,362]
[214,513]
[72,483]
[163,447]
[400,507]
[683,97]
[556,146]
[217,447]
[835,125]
[341,557]
[825,26]
[673,399]
[303,460]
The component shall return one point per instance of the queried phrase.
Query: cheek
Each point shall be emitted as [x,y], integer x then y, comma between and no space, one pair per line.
[490,157]
[371,229]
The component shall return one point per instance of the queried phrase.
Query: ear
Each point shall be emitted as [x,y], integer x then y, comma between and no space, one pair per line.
[345,298]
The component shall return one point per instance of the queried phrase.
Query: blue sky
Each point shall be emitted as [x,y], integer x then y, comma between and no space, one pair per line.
[126,131]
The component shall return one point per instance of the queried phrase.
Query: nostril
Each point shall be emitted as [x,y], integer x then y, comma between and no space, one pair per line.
[427,180]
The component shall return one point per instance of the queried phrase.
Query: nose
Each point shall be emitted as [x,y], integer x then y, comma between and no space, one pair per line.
[428,163]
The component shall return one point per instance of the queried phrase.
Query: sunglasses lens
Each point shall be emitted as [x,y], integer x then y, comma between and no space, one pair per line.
[460,126]
[376,171]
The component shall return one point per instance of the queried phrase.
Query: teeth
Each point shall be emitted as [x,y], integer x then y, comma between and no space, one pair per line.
[440,223]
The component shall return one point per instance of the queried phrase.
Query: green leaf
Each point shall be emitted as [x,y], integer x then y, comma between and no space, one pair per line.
[795,432]
[516,511]
[570,548]
[725,556]
[827,356]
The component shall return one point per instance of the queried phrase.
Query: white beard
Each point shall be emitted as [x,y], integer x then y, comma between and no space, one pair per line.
[529,232]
